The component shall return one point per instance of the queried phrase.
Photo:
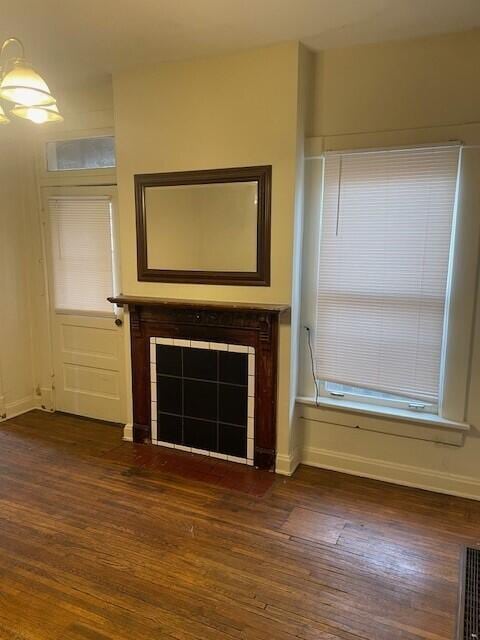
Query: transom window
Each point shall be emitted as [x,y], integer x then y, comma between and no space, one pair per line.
[82,153]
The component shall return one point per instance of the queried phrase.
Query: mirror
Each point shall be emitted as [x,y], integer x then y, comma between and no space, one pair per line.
[208,226]
[215,223]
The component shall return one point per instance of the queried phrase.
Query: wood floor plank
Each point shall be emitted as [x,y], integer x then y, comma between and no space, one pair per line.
[103,540]
[314,526]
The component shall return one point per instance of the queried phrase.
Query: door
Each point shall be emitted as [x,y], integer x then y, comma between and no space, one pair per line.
[87,332]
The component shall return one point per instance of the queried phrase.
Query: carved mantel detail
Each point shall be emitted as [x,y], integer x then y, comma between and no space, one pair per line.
[238,323]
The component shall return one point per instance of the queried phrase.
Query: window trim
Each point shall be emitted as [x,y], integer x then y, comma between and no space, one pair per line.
[460,325]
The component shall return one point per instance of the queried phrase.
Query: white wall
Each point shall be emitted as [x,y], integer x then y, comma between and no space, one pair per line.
[402,93]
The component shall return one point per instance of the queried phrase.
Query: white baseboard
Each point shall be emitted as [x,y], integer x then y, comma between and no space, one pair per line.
[128,432]
[14,409]
[407,475]
[286,465]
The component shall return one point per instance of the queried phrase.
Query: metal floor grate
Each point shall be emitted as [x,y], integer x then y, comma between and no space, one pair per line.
[469,606]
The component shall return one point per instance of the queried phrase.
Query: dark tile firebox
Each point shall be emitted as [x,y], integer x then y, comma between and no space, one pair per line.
[203,397]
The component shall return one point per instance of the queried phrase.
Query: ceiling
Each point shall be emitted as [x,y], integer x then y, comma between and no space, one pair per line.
[73,42]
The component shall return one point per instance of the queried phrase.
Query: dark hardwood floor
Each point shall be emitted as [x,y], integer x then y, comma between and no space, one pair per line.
[102,540]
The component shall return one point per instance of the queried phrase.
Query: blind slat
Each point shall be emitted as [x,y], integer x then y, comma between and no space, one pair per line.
[383,267]
[81,242]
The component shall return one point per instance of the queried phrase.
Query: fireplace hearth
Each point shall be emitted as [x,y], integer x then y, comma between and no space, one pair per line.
[204,376]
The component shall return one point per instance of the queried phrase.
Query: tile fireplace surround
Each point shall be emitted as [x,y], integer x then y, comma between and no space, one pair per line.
[203,397]
[204,376]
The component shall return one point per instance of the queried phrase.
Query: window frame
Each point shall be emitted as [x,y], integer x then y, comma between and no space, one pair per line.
[75,169]
[72,177]
[459,312]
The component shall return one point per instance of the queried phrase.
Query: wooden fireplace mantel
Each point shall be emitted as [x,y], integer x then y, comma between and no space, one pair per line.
[248,324]
[123,300]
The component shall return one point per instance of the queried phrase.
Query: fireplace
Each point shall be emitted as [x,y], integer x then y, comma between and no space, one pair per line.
[203,397]
[204,376]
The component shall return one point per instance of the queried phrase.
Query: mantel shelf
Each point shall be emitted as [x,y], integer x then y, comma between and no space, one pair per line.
[136,301]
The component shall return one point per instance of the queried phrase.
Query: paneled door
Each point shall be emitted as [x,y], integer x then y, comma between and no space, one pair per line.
[87,334]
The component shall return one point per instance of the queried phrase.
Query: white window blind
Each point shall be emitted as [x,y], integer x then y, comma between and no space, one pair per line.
[383,269]
[82,256]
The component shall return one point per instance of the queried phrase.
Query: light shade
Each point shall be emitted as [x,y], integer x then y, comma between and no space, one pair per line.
[3,117]
[24,86]
[38,114]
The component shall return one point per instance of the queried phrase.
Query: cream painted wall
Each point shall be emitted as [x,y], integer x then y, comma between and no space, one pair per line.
[17,350]
[286,463]
[402,93]
[424,83]
[84,110]
[228,111]
[217,112]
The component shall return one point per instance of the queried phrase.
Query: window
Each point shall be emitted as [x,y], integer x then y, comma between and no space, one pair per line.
[84,153]
[82,253]
[383,274]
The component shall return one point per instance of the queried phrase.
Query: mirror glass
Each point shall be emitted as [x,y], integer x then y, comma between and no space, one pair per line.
[202,227]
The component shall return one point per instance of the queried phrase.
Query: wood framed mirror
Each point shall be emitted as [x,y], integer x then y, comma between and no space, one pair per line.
[204,227]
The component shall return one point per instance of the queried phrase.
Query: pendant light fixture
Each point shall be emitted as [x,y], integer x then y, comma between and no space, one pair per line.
[38,113]
[21,85]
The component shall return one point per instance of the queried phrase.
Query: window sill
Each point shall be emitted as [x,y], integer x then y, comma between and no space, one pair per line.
[345,413]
